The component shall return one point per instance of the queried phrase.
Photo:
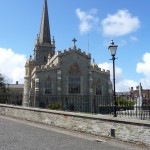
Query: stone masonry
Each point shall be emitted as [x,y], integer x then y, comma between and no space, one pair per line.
[137,131]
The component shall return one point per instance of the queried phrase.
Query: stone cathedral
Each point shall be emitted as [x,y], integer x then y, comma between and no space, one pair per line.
[52,74]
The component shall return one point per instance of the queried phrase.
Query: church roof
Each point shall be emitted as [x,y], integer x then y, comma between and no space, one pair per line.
[44,35]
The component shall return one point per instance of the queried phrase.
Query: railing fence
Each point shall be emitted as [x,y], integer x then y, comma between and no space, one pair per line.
[85,103]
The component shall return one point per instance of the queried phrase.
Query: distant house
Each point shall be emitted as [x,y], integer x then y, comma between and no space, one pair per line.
[16,88]
[15,92]
[134,94]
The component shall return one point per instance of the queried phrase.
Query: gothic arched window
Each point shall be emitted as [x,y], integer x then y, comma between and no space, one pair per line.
[98,88]
[48,86]
[74,80]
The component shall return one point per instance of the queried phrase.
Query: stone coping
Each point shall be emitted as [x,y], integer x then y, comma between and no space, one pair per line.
[108,118]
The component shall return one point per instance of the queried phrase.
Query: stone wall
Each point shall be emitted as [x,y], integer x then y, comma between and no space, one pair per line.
[125,129]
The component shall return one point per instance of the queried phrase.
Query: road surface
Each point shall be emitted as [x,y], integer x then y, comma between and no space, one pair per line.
[23,135]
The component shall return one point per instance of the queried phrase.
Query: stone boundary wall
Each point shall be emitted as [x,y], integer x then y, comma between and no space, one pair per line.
[125,129]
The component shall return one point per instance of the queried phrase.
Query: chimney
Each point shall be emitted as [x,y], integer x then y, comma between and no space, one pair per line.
[16,82]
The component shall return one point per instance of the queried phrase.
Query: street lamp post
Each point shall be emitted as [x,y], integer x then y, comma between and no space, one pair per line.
[113,48]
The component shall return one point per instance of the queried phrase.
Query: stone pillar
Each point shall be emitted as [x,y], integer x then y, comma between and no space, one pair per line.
[139,102]
[36,97]
[59,86]
[27,86]
[91,92]
[81,86]
[91,88]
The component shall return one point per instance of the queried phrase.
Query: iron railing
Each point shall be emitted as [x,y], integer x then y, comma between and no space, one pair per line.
[11,98]
[85,103]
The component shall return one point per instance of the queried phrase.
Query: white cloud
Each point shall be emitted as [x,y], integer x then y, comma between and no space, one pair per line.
[144,68]
[109,66]
[125,85]
[122,85]
[88,20]
[12,65]
[120,23]
[145,83]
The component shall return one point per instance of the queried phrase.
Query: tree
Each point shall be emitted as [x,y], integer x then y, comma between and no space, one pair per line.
[2,90]
[2,84]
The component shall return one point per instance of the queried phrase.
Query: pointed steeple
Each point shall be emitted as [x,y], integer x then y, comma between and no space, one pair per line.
[44,35]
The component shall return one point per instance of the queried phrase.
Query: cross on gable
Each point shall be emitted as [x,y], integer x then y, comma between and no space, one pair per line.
[74,41]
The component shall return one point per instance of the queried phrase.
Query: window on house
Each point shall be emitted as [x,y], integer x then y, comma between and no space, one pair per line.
[98,88]
[48,87]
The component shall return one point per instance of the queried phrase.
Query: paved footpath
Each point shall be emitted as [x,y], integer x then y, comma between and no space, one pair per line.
[23,135]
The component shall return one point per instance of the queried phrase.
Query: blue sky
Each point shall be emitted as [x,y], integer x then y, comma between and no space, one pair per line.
[124,21]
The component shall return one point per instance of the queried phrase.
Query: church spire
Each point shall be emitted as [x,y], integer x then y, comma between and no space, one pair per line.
[44,35]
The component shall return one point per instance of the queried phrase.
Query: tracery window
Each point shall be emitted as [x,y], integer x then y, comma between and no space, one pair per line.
[74,80]
[48,87]
[98,88]
[74,84]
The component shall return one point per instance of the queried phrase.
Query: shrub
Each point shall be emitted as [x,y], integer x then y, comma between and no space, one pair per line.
[54,106]
[124,102]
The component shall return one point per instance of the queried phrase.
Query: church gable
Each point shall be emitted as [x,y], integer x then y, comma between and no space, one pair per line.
[76,53]
[69,57]
[74,56]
